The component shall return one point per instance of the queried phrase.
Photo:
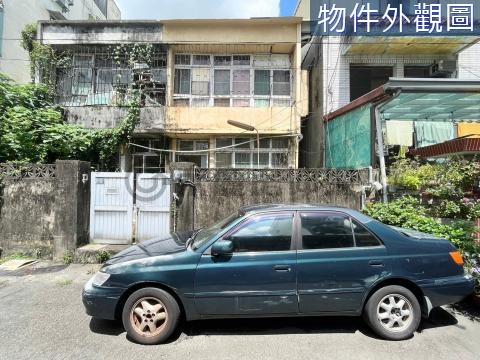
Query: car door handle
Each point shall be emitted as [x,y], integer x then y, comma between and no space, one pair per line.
[282,268]
[376,263]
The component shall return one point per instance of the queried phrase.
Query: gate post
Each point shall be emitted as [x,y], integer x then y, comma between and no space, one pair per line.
[72,206]
[182,196]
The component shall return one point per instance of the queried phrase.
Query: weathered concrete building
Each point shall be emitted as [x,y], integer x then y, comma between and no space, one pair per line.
[194,76]
[343,69]
[16,14]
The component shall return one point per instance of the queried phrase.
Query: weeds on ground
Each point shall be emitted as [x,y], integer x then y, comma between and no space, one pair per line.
[14,256]
[65,282]
[68,258]
[103,256]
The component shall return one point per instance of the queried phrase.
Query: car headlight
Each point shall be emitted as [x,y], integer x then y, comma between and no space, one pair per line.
[100,278]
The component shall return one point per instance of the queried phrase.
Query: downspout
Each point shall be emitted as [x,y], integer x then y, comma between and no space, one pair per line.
[381,156]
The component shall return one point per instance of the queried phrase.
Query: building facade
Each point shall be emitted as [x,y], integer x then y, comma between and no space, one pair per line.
[343,69]
[16,14]
[195,77]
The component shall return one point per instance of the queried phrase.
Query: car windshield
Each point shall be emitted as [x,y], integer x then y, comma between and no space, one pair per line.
[205,234]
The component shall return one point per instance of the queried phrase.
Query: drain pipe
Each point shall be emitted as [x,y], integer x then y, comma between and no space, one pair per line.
[381,156]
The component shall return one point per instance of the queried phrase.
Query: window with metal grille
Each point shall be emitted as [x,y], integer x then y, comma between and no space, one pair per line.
[233,80]
[242,153]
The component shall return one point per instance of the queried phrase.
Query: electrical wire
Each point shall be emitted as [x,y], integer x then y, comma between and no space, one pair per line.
[212,150]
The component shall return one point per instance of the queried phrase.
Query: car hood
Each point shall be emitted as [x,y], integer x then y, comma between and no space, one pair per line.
[169,244]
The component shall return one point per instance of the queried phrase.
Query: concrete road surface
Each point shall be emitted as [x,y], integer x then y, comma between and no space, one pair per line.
[42,317]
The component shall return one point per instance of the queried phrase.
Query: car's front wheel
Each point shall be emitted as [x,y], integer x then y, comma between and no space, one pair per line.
[150,316]
[393,312]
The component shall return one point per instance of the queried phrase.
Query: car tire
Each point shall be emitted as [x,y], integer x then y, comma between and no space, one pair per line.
[393,312]
[150,316]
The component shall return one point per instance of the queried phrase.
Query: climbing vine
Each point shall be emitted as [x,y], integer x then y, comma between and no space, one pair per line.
[134,54]
[44,60]
[33,128]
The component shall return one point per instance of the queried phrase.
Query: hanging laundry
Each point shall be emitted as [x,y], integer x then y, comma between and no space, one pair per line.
[433,132]
[399,132]
[465,129]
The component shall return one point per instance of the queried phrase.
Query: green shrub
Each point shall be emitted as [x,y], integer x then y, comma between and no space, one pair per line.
[68,258]
[407,212]
[103,256]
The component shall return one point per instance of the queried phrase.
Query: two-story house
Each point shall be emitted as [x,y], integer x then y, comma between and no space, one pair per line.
[196,76]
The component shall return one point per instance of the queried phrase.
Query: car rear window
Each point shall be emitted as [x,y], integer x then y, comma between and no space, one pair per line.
[326,231]
[363,237]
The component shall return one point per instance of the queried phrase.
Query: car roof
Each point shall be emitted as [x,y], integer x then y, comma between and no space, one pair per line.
[293,207]
[259,208]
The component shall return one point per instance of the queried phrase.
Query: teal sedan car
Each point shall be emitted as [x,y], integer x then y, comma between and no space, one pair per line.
[278,261]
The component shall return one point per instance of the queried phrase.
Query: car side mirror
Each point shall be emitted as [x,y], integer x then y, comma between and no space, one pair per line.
[222,248]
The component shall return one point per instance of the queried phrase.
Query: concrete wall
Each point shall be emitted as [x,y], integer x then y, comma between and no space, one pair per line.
[93,32]
[216,200]
[14,60]
[312,145]
[46,216]
[469,64]
[27,216]
[152,119]
[221,192]
[213,120]
[72,206]
[247,31]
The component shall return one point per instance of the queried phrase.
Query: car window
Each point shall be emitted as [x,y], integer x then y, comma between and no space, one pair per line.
[363,237]
[270,232]
[326,231]
[206,234]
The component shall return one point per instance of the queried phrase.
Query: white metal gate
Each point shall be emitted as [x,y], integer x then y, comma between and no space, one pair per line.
[111,208]
[152,205]
[114,209]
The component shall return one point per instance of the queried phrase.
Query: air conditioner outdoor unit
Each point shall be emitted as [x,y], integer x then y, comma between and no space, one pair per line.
[443,68]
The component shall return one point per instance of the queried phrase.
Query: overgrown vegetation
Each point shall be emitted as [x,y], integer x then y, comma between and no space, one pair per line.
[408,212]
[68,257]
[33,129]
[103,256]
[448,186]
[446,179]
[43,59]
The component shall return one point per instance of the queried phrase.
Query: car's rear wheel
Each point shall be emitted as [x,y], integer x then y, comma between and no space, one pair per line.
[393,312]
[150,316]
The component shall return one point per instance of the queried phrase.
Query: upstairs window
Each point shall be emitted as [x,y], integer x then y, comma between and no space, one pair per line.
[281,82]
[222,82]
[262,82]
[182,81]
[233,80]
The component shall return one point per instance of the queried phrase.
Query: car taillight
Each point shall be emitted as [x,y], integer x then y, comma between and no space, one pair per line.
[457,257]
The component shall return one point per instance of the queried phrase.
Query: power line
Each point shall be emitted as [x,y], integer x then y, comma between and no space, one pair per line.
[63,41]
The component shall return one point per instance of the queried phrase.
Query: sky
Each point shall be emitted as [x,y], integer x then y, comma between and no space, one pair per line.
[185,9]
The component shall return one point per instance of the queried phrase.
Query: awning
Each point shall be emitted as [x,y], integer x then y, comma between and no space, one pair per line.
[447,106]
[421,99]
[459,146]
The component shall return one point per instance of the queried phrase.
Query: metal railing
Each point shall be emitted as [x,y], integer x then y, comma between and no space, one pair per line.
[332,176]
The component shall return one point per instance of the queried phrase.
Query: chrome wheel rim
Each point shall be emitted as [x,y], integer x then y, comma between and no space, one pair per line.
[395,313]
[148,316]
